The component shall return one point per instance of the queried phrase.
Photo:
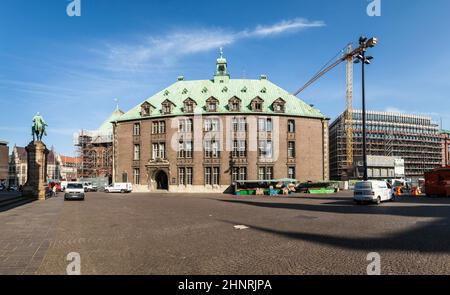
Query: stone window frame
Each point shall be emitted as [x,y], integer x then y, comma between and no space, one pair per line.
[279,102]
[189,105]
[212,101]
[291,126]
[257,101]
[231,103]
[137,129]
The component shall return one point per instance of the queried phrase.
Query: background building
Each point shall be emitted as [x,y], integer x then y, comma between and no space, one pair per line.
[445,136]
[95,150]
[4,158]
[69,167]
[249,130]
[18,166]
[415,139]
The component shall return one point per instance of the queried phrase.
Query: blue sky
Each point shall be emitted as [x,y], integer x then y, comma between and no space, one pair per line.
[72,69]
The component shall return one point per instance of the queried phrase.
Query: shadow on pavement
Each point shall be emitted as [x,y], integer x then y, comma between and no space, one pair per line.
[431,237]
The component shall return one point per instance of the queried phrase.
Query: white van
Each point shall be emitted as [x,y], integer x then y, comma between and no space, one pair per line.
[119,188]
[372,191]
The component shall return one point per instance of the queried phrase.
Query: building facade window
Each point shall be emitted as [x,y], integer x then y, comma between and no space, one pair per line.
[211,125]
[159,127]
[185,126]
[212,175]
[291,149]
[265,173]
[291,172]
[239,149]
[239,124]
[137,152]
[158,151]
[239,174]
[136,176]
[265,149]
[291,126]
[185,175]
[265,125]
[137,129]
[212,149]
[124,177]
[185,149]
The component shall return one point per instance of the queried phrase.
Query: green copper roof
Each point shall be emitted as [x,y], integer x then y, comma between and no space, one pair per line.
[445,131]
[244,89]
[107,125]
[223,89]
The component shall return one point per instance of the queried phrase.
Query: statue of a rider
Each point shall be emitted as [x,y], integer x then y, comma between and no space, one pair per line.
[38,127]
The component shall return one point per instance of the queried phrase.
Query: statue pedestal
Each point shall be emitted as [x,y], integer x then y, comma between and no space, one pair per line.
[35,186]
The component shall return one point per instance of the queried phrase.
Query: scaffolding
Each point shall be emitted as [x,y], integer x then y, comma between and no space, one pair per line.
[94,148]
[412,138]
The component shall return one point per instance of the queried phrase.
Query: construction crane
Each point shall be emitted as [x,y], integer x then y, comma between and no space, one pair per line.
[347,56]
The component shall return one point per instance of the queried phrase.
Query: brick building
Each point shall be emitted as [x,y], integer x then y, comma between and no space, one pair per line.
[4,156]
[201,136]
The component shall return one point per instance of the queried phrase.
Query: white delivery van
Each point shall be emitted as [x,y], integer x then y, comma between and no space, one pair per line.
[372,191]
[119,188]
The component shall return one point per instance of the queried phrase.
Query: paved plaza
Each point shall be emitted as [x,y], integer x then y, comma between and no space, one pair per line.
[195,234]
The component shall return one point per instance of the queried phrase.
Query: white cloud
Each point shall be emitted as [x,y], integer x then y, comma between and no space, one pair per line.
[286,26]
[171,46]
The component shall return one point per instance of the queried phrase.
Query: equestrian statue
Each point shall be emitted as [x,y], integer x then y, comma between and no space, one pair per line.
[38,127]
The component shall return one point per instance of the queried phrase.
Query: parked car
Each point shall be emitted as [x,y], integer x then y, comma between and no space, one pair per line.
[119,188]
[89,187]
[74,191]
[372,191]
[13,188]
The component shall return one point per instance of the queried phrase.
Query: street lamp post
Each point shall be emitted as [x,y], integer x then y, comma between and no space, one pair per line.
[364,43]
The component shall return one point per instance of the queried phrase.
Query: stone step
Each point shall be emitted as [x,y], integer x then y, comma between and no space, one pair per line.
[12,202]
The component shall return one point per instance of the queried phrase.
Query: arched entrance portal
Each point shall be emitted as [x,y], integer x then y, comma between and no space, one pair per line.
[162,181]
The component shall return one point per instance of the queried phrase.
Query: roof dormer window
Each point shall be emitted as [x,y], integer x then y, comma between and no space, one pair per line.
[189,105]
[257,104]
[234,104]
[279,105]
[211,104]
[146,109]
[167,107]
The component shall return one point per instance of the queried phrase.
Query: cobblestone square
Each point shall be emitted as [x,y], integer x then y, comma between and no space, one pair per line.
[195,234]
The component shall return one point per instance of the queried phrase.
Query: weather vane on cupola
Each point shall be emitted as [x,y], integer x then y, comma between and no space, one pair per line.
[222,66]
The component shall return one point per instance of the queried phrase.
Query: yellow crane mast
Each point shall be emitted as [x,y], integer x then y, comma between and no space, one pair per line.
[348,57]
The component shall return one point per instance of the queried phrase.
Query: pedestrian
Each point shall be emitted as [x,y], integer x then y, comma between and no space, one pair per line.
[54,190]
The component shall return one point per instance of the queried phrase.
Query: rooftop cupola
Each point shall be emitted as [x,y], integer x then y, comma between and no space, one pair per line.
[221,75]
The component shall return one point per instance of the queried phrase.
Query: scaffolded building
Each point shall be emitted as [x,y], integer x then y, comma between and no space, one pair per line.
[95,149]
[415,139]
